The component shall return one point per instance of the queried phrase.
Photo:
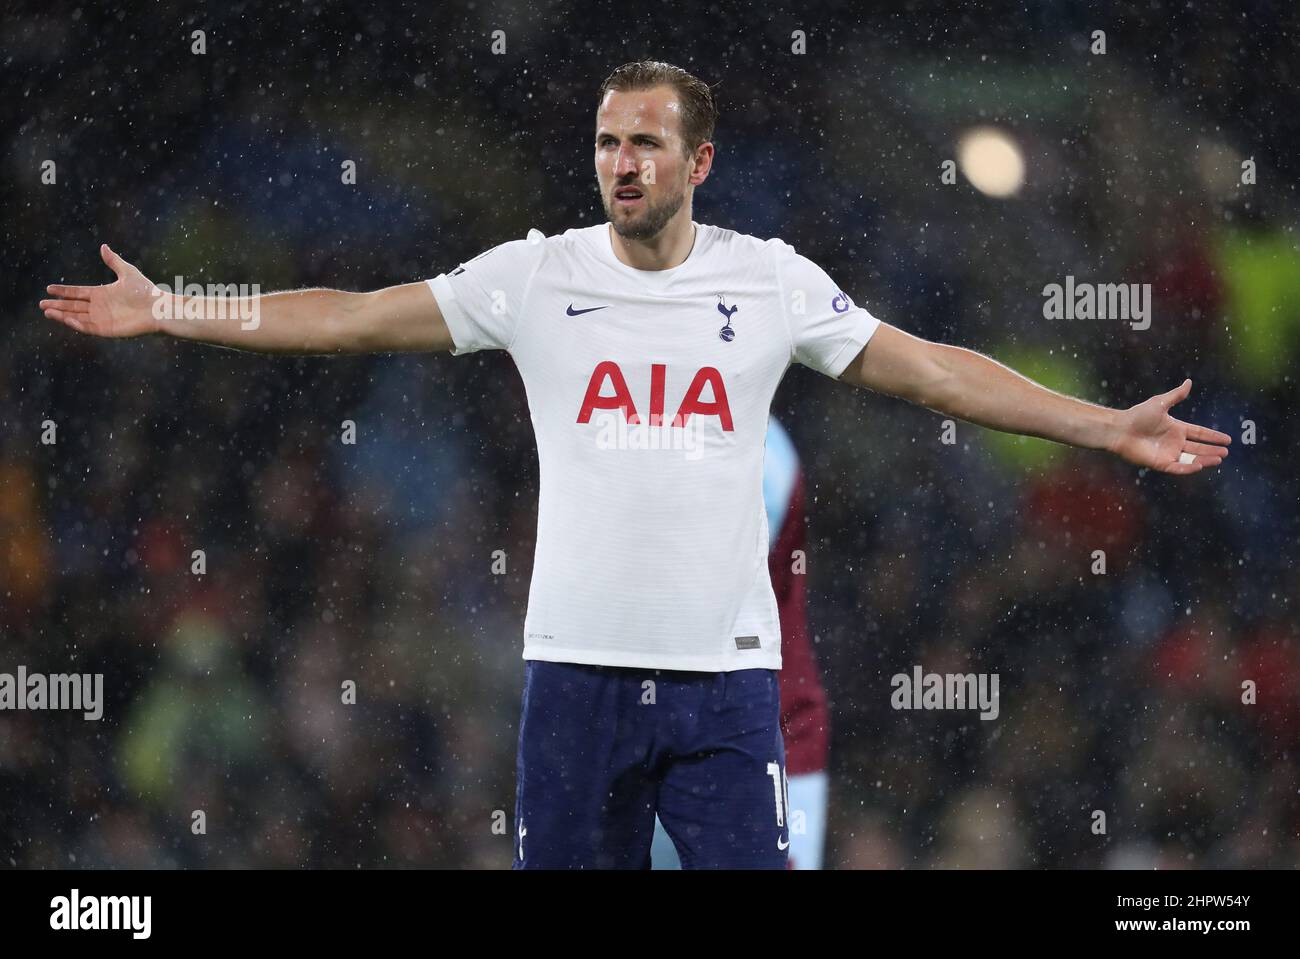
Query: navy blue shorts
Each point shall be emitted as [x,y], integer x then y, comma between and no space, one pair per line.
[602,749]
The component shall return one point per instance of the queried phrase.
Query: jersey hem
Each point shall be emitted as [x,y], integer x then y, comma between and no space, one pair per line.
[860,337]
[453,314]
[711,663]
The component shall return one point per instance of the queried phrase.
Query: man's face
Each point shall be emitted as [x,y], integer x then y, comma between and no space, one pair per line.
[641,163]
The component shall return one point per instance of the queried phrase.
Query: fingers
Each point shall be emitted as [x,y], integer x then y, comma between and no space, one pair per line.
[1206,435]
[111,259]
[1204,449]
[70,292]
[73,320]
[66,306]
[1207,461]
[1178,394]
[1183,469]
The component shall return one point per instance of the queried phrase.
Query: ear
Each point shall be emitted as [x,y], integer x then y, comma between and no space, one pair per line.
[701,163]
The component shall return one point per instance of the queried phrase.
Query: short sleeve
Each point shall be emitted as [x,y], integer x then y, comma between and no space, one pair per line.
[826,330]
[483,300]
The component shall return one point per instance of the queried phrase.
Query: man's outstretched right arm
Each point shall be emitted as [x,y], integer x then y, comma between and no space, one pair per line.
[397,319]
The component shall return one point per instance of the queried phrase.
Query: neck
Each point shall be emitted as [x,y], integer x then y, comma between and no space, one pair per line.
[666,249]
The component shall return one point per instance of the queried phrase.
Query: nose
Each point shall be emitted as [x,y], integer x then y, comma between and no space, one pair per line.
[624,163]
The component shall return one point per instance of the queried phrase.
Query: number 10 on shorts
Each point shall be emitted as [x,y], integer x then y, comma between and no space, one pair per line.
[781,789]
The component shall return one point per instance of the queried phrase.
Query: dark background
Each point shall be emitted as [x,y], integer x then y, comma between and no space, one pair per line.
[1119,692]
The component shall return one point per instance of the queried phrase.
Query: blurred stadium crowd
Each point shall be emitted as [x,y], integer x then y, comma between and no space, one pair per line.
[372,562]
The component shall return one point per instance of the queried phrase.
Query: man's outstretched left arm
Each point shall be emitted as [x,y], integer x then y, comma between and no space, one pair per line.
[967,385]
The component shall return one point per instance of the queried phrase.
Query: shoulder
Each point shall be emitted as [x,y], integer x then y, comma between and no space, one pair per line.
[777,255]
[743,244]
[537,246]
[574,241]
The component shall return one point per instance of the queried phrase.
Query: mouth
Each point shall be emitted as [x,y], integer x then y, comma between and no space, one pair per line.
[628,196]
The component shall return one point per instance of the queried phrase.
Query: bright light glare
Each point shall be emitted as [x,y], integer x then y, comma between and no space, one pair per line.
[992,161]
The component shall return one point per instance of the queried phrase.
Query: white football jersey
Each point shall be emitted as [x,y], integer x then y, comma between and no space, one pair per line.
[649,393]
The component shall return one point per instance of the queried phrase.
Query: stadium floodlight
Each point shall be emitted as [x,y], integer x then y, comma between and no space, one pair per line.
[992,161]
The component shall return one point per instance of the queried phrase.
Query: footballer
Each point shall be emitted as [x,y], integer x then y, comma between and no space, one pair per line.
[652,638]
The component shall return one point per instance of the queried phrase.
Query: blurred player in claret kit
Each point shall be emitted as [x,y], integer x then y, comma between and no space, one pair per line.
[805,714]
[652,638]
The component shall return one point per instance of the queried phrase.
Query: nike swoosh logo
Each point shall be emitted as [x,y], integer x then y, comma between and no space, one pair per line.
[591,309]
[783,846]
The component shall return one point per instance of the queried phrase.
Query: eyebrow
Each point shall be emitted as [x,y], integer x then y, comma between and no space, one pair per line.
[635,136]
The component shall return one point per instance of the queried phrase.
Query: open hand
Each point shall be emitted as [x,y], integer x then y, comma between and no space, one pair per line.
[1146,435]
[121,308]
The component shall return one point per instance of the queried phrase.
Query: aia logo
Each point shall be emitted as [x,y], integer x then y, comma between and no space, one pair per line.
[621,399]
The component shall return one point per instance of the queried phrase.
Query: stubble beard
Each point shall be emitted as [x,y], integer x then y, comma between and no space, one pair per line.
[649,224]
